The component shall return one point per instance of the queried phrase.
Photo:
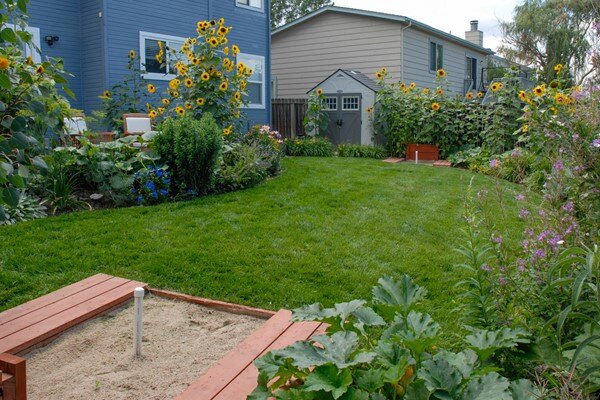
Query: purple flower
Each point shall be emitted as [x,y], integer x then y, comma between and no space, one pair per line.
[568,207]
[497,239]
[486,268]
[542,213]
[529,232]
[596,143]
[520,197]
[541,253]
[524,213]
[502,281]
[558,166]
[495,164]
[555,241]
[575,137]
[521,264]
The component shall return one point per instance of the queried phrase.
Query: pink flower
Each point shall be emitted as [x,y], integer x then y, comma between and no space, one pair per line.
[495,164]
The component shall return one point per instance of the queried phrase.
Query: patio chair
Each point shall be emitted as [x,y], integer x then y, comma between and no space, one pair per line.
[137,124]
[74,128]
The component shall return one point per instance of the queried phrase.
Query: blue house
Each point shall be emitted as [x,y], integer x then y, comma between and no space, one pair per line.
[94,37]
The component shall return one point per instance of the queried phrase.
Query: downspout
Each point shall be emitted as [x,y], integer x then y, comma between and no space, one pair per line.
[402,50]
[269,77]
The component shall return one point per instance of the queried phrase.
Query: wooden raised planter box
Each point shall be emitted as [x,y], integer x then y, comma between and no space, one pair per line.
[426,152]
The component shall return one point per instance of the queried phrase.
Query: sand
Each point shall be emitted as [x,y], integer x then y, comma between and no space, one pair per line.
[95,360]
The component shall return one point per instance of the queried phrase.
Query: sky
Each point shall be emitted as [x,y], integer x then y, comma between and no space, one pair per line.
[447,15]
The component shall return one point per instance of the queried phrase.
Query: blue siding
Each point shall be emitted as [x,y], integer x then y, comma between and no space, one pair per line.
[125,19]
[61,18]
[92,53]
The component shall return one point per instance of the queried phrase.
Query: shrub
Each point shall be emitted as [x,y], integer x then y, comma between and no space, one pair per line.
[191,150]
[151,186]
[268,144]
[357,150]
[316,120]
[28,208]
[242,167]
[309,147]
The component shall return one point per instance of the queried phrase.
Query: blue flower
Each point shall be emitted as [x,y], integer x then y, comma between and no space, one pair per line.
[140,199]
[163,192]
[155,194]
[159,173]
[133,191]
[167,181]
[150,185]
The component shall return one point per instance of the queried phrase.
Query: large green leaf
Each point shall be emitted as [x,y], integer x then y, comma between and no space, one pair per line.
[440,377]
[3,215]
[8,35]
[524,390]
[488,387]
[370,379]
[417,331]
[403,293]
[312,312]
[11,196]
[355,394]
[485,342]
[4,81]
[329,378]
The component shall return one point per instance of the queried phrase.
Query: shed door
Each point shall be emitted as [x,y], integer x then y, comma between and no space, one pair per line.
[345,123]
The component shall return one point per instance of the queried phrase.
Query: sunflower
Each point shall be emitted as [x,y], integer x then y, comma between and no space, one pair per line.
[522,95]
[440,92]
[237,96]
[153,114]
[319,91]
[189,83]
[224,41]
[221,21]
[469,95]
[226,51]
[539,90]
[412,85]
[4,64]
[166,102]
[378,75]
[200,101]
[561,99]
[214,42]
[223,86]
[479,95]
[554,84]
[223,30]
[151,88]
[160,110]
[495,87]
[227,131]
[226,62]
[180,111]
[132,54]
[558,68]
[205,76]
[106,94]
[370,110]
[174,84]
[500,85]
[174,93]
[435,106]
[195,61]
[425,90]
[40,70]
[235,50]
[213,22]
[441,73]
[188,105]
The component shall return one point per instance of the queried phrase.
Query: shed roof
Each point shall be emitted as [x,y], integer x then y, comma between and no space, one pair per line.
[357,76]
[392,17]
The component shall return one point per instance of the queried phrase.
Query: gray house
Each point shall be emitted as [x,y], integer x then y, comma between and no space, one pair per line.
[308,50]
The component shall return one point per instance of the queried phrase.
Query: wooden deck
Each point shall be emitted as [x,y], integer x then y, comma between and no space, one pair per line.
[234,376]
[41,319]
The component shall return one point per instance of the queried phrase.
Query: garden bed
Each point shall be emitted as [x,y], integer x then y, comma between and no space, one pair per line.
[95,359]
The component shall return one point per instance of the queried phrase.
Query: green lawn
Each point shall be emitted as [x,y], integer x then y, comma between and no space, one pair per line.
[325,230]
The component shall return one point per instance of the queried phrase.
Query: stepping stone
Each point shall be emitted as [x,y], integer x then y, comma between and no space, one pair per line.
[394,160]
[442,163]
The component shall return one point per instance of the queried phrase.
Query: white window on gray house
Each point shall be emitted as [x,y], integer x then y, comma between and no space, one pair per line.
[252,4]
[436,56]
[331,103]
[255,90]
[350,103]
[150,45]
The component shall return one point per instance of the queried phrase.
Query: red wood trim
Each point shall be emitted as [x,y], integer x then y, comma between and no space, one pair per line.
[64,304]
[22,340]
[245,382]
[219,305]
[230,366]
[17,386]
[50,298]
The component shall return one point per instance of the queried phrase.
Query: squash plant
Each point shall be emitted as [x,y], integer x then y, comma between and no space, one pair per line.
[28,97]
[386,349]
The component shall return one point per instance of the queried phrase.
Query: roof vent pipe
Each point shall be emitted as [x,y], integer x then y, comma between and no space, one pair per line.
[474,25]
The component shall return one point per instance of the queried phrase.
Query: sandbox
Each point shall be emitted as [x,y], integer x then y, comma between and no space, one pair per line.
[95,360]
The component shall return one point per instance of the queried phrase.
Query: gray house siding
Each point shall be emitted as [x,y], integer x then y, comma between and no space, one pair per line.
[416,60]
[309,52]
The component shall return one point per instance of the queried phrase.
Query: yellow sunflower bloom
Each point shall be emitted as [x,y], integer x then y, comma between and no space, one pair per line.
[151,88]
[235,50]
[479,95]
[558,68]
[153,114]
[174,84]
[106,94]
[227,131]
[205,76]
[435,106]
[188,105]
[319,91]
[189,83]
[469,95]
[40,70]
[160,110]
[4,63]
[539,90]
[412,85]
[223,86]
[370,110]
[425,91]
[440,92]
[200,101]
[226,51]
[441,73]
[166,102]
[237,96]
[180,111]
[132,54]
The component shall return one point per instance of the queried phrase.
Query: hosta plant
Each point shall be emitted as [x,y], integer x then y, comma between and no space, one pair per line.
[386,349]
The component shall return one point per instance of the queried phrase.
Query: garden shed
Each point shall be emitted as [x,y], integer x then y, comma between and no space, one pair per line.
[349,95]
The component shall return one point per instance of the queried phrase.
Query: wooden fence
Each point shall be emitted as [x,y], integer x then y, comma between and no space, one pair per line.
[288,116]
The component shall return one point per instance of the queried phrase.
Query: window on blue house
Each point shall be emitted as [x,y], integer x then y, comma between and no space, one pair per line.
[436,56]
[255,90]
[150,45]
[254,4]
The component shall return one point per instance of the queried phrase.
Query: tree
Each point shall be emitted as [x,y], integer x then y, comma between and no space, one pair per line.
[545,33]
[284,11]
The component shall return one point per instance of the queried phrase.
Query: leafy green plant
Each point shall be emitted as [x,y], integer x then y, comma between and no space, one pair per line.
[242,167]
[316,120]
[28,98]
[386,349]
[151,185]
[360,151]
[309,147]
[29,208]
[191,149]
[60,185]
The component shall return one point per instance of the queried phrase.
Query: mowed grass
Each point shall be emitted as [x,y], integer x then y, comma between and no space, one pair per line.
[324,231]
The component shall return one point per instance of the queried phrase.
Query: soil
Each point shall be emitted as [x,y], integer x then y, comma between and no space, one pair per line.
[95,360]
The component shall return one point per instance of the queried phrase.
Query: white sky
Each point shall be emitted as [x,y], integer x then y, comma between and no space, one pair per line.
[447,15]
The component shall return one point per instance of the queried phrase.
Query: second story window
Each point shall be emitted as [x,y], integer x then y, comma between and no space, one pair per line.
[151,45]
[436,56]
[252,4]
[255,91]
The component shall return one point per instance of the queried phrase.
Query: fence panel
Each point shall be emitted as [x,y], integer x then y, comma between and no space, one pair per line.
[288,116]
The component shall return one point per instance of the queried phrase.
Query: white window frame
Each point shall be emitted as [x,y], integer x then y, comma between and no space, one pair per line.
[34,48]
[263,82]
[249,7]
[163,38]
[351,109]
[327,104]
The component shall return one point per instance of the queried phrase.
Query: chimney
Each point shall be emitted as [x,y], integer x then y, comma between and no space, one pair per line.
[475,36]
